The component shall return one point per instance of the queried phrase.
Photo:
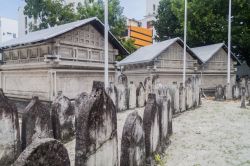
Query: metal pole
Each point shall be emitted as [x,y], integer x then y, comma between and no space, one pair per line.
[106,74]
[185,45]
[229,42]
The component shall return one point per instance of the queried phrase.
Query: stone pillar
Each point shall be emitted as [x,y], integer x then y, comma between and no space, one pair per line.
[96,130]
[140,95]
[45,151]
[243,97]
[36,122]
[132,95]
[151,126]
[10,146]
[133,142]
[182,96]
[63,118]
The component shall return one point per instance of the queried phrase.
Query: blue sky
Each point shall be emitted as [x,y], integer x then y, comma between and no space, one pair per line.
[132,8]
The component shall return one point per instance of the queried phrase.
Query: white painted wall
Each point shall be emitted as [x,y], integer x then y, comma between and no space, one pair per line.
[152,7]
[8,29]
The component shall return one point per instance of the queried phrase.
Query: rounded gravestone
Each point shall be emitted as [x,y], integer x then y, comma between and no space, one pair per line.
[36,122]
[63,118]
[151,127]
[133,144]
[44,152]
[96,130]
[140,95]
[10,146]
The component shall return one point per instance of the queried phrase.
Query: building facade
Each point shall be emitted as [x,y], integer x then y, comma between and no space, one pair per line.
[65,58]
[164,59]
[8,29]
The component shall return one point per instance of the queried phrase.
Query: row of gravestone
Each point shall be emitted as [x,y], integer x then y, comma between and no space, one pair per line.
[96,131]
[128,96]
[92,119]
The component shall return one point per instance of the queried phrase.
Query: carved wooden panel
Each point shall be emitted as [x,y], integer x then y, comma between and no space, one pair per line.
[66,52]
[82,54]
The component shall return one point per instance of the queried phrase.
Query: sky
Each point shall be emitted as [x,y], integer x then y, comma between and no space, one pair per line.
[132,8]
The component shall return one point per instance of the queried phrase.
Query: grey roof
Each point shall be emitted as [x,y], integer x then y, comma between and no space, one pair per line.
[205,53]
[49,33]
[148,53]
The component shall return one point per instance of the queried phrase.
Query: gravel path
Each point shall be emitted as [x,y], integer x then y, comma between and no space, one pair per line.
[216,134]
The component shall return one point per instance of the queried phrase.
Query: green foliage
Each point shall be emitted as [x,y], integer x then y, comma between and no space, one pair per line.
[129,45]
[54,12]
[207,23]
[158,160]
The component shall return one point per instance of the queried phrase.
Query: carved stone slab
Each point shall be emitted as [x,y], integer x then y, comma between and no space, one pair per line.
[151,126]
[220,93]
[182,97]
[122,97]
[63,118]
[96,130]
[10,145]
[132,95]
[36,122]
[176,97]
[243,97]
[133,143]
[140,95]
[44,152]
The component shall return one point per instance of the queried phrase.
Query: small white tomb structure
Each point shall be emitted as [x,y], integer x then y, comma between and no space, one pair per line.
[64,58]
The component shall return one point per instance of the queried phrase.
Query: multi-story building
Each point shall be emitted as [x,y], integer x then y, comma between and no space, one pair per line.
[8,29]
[25,22]
[151,12]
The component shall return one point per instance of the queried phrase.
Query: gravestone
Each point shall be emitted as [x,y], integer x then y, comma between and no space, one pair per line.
[155,83]
[112,92]
[132,95]
[78,101]
[96,130]
[122,98]
[147,87]
[36,122]
[170,111]
[151,127]
[176,98]
[243,97]
[63,118]
[123,79]
[133,143]
[44,152]
[140,95]
[10,146]
[182,97]
[220,93]
[236,91]
[189,95]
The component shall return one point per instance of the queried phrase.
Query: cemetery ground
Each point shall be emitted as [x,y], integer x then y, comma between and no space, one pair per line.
[217,133]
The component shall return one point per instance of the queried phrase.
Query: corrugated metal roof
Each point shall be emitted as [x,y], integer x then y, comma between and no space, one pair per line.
[147,53]
[204,53]
[49,33]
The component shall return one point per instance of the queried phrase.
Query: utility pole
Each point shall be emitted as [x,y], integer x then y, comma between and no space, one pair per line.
[229,43]
[106,51]
[185,45]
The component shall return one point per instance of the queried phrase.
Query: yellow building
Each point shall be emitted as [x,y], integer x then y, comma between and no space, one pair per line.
[142,36]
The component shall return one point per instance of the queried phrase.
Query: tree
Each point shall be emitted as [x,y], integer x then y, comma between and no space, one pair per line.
[49,13]
[54,12]
[207,23]
[117,22]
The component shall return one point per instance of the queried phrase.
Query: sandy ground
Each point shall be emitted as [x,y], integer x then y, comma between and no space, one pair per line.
[216,134]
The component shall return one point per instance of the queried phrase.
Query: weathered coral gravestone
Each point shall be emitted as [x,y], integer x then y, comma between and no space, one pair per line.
[182,97]
[140,95]
[63,118]
[220,93]
[96,130]
[151,126]
[122,93]
[133,144]
[176,98]
[36,123]
[132,95]
[243,97]
[44,152]
[10,146]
